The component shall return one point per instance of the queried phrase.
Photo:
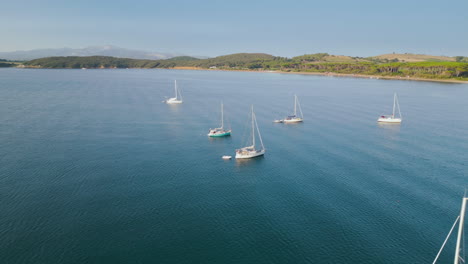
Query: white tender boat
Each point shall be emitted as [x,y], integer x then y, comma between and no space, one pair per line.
[226,157]
[178,96]
[294,118]
[252,151]
[392,118]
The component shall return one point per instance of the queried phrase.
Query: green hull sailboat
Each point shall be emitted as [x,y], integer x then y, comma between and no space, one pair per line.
[220,132]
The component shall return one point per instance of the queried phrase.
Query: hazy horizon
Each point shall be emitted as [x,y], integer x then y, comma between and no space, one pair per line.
[205,56]
[215,28]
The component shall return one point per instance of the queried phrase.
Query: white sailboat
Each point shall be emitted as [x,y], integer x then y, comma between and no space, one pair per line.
[293,118]
[392,118]
[178,96]
[459,258]
[220,132]
[253,150]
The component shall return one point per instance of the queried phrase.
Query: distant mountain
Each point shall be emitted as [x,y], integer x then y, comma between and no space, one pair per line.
[107,50]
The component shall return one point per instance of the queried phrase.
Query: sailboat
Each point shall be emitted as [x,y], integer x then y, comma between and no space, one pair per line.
[458,259]
[253,150]
[392,118]
[220,132]
[178,97]
[293,118]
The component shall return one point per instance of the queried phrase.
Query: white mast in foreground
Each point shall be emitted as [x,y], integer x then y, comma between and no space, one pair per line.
[457,259]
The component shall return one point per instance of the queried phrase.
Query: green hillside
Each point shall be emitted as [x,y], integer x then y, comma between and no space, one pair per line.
[183,58]
[319,62]
[235,61]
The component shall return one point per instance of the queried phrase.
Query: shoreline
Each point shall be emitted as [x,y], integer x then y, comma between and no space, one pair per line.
[364,76]
[332,74]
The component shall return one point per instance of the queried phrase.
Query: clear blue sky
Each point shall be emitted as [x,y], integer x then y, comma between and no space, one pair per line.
[211,28]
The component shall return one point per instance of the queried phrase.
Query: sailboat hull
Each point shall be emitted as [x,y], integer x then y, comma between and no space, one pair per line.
[173,101]
[389,120]
[225,134]
[249,154]
[294,120]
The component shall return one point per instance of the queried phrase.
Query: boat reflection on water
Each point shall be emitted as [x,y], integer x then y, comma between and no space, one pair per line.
[390,126]
[249,162]
[220,140]
[389,133]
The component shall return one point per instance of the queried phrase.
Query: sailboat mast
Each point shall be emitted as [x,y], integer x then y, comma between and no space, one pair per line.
[222,116]
[295,103]
[253,128]
[394,102]
[175,88]
[460,232]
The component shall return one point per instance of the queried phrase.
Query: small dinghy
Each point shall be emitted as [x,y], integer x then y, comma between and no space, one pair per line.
[226,157]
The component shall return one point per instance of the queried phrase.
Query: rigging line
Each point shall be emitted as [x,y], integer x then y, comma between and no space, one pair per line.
[398,104]
[300,108]
[259,136]
[443,245]
[180,94]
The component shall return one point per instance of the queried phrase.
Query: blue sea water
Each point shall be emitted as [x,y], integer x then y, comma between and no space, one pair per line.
[94,168]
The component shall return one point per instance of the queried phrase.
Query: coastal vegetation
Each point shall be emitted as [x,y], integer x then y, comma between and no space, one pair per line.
[408,57]
[6,63]
[418,66]
[461,59]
